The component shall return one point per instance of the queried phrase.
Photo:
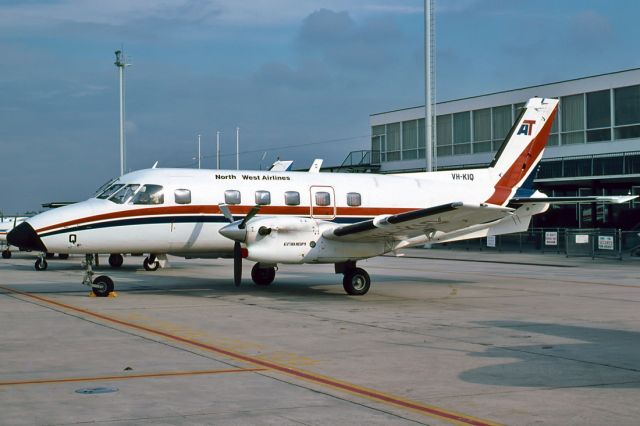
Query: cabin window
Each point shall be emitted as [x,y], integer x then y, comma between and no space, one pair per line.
[263,198]
[149,194]
[232,196]
[110,191]
[182,196]
[124,194]
[323,199]
[292,198]
[354,199]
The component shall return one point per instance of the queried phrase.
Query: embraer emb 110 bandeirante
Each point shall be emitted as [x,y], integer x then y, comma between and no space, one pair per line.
[284,217]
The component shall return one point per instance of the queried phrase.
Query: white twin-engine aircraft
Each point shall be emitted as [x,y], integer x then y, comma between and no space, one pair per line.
[283,217]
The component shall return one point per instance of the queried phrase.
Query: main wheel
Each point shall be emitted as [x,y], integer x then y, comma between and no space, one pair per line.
[263,276]
[103,286]
[6,254]
[356,282]
[41,264]
[116,260]
[49,255]
[63,256]
[150,266]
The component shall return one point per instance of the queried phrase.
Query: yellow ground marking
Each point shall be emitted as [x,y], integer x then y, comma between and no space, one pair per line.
[128,376]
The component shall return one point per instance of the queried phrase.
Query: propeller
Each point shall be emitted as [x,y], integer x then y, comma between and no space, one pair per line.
[237,232]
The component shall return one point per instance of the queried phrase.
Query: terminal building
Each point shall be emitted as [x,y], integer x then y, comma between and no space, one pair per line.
[594,148]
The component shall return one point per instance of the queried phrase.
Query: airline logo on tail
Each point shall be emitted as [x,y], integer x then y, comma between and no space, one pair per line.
[526,127]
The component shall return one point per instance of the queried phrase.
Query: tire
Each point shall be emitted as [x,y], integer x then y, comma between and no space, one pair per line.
[105,286]
[63,256]
[356,282]
[6,254]
[263,276]
[41,264]
[116,260]
[150,266]
[49,255]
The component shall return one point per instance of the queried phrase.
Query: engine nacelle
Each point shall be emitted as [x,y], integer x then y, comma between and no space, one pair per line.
[281,239]
[299,240]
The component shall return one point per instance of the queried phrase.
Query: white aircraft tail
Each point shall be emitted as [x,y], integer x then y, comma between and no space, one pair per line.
[522,149]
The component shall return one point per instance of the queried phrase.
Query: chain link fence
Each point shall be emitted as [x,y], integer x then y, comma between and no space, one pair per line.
[602,242]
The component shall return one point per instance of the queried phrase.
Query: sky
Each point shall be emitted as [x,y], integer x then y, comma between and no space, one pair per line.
[298,77]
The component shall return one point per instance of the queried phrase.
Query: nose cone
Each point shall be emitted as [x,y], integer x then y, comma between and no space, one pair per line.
[234,232]
[25,238]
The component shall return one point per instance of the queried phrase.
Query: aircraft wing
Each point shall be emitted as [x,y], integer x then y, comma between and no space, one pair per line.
[445,218]
[613,199]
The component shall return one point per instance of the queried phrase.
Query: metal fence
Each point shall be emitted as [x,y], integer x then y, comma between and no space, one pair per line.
[611,243]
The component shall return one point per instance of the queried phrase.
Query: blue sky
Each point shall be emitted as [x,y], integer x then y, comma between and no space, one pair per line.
[299,77]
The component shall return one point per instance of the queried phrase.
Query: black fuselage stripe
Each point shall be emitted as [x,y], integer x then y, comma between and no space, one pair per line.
[147,220]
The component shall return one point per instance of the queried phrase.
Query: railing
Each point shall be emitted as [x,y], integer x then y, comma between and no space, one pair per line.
[611,243]
[361,158]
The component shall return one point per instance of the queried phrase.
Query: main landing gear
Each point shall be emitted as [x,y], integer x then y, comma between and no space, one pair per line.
[6,254]
[101,286]
[356,281]
[151,263]
[116,260]
[263,275]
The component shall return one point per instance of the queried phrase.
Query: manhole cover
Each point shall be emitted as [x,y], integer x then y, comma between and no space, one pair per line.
[102,389]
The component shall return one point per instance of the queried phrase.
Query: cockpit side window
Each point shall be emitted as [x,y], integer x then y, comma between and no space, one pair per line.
[104,187]
[110,191]
[149,194]
[124,194]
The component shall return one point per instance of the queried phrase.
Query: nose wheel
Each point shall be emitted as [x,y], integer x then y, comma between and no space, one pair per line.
[151,263]
[41,263]
[101,286]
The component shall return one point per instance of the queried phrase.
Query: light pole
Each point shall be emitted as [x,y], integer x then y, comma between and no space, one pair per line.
[121,64]
[237,148]
[199,156]
[218,150]
[428,82]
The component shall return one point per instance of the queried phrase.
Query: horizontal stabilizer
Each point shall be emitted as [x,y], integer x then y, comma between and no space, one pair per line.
[613,199]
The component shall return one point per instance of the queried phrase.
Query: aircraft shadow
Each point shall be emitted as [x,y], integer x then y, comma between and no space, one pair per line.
[600,357]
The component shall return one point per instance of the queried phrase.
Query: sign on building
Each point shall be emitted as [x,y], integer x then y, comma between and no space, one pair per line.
[491,241]
[605,242]
[582,239]
[550,238]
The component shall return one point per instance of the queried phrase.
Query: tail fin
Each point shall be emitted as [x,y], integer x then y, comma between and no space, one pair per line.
[522,149]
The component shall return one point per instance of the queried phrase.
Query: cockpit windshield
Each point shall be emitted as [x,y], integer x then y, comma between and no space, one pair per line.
[149,194]
[110,191]
[124,194]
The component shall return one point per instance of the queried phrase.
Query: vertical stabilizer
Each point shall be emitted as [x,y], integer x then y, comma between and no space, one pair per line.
[522,148]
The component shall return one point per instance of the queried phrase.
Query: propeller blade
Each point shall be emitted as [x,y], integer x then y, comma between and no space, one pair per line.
[226,212]
[249,216]
[237,263]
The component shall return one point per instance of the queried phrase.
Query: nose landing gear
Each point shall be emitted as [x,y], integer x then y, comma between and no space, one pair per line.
[102,286]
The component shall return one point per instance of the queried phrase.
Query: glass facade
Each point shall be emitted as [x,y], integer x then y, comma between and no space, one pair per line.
[591,117]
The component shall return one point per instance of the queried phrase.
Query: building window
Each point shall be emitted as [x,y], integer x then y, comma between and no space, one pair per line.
[263,198]
[554,140]
[393,142]
[410,140]
[482,130]
[182,196]
[462,132]
[323,199]
[572,119]
[502,123]
[599,116]
[421,139]
[292,198]
[378,136]
[627,112]
[232,196]
[354,199]
[444,139]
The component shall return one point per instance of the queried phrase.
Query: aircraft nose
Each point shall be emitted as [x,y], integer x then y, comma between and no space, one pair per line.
[24,237]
